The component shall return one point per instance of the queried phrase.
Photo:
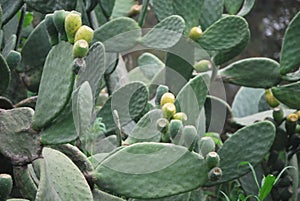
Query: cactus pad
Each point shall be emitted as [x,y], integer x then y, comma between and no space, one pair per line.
[288,94]
[16,137]
[4,74]
[56,85]
[146,170]
[50,6]
[253,72]
[211,11]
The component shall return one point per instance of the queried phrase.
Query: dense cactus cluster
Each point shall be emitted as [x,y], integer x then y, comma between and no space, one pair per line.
[76,124]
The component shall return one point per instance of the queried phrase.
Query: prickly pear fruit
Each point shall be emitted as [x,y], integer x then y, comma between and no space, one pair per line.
[175,130]
[278,115]
[51,29]
[195,33]
[6,185]
[72,24]
[168,110]
[80,49]
[206,145]
[190,137]
[291,123]
[162,125]
[271,100]
[59,22]
[135,10]
[212,159]
[180,116]
[160,91]
[203,66]
[85,33]
[215,174]
[167,98]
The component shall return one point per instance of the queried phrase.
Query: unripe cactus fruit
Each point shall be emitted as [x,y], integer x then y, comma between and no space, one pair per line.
[51,29]
[271,100]
[85,33]
[175,130]
[80,49]
[180,116]
[6,185]
[72,24]
[59,22]
[135,10]
[168,110]
[160,91]
[278,115]
[215,174]
[190,137]
[291,123]
[167,98]
[212,159]
[203,66]
[195,33]
[206,145]
[162,125]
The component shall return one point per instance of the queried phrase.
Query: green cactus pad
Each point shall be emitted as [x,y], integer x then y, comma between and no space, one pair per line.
[225,33]
[122,8]
[59,22]
[95,68]
[107,6]
[288,94]
[233,6]
[6,185]
[146,170]
[225,55]
[4,74]
[150,65]
[211,11]
[50,6]
[51,29]
[246,101]
[129,101]
[191,98]
[24,182]
[56,85]
[61,179]
[190,11]
[145,130]
[36,48]
[165,34]
[13,60]
[9,9]
[249,144]
[9,45]
[290,47]
[248,120]
[16,138]
[163,8]
[247,7]
[62,130]
[82,107]
[17,199]
[119,34]
[180,197]
[252,72]
[99,195]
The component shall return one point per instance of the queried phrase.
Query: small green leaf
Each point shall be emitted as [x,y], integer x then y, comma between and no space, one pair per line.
[267,185]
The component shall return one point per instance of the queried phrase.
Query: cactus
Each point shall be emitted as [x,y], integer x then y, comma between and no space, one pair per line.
[211,11]
[152,162]
[48,7]
[265,73]
[4,74]
[57,74]
[165,34]
[9,9]
[6,184]
[288,94]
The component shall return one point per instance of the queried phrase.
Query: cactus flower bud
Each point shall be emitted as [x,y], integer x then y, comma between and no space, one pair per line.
[195,33]
[175,130]
[212,159]
[215,174]
[85,33]
[6,185]
[168,110]
[72,24]
[80,49]
[271,100]
[167,98]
